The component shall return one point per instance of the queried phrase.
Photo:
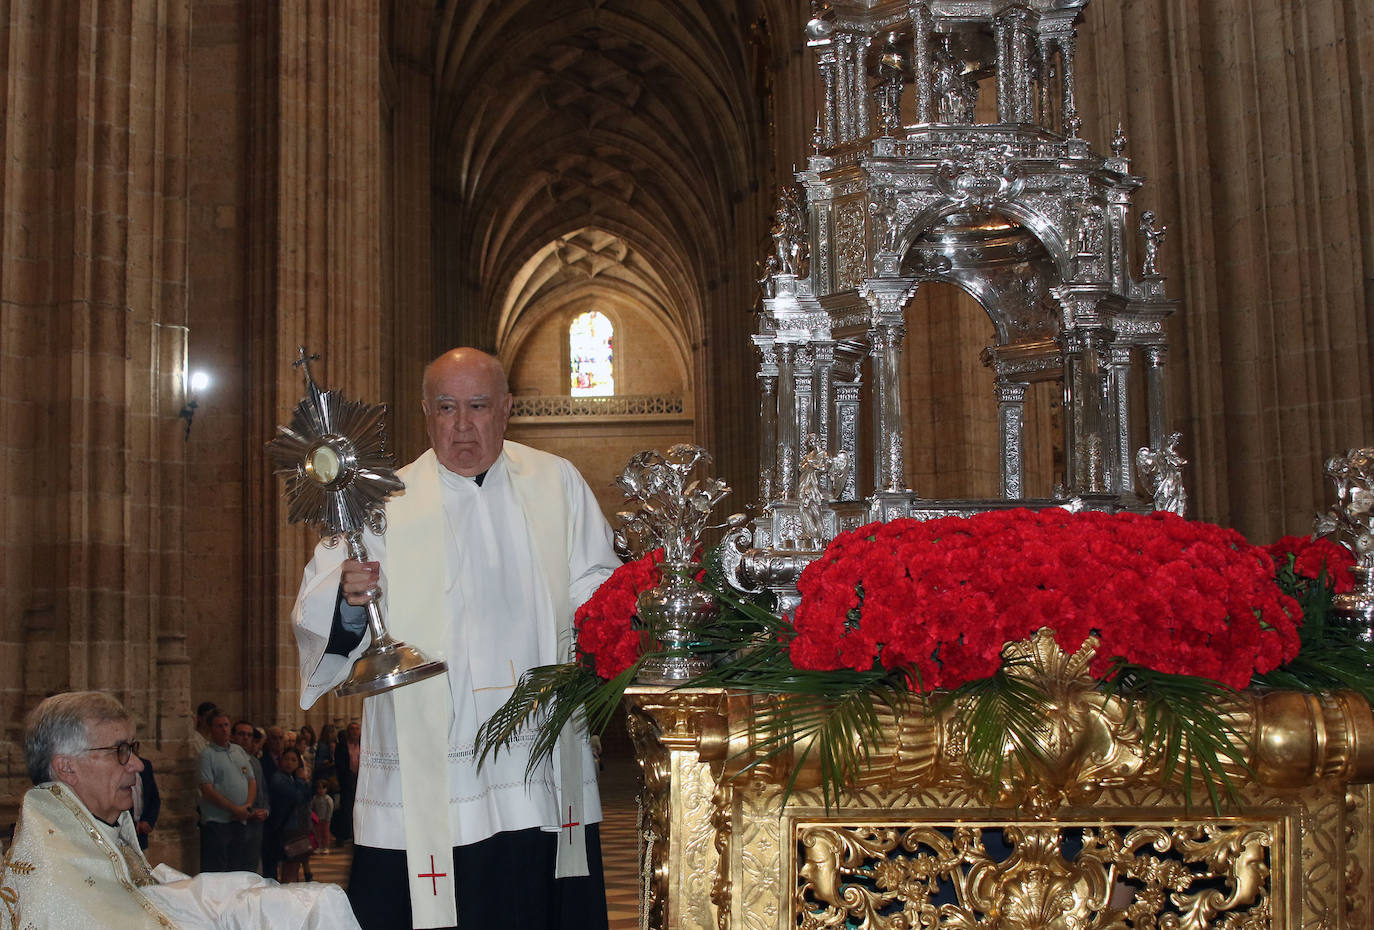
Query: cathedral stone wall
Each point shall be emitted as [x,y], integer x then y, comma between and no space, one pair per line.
[1253,123]
[649,361]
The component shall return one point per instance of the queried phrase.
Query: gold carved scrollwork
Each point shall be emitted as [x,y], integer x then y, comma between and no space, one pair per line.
[1088,836]
[1089,742]
[654,822]
[1171,877]
[678,833]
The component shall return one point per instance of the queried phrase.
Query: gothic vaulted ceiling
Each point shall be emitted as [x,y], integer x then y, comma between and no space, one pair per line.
[623,137]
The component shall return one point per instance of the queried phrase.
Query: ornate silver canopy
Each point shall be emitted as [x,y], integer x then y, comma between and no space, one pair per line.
[948,151]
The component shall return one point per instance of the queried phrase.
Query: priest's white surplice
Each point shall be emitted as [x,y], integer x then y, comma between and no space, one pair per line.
[486,577]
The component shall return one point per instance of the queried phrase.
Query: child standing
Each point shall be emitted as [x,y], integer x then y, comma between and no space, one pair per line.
[322,806]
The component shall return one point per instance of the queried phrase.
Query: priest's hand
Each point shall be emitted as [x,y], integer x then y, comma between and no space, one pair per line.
[359,581]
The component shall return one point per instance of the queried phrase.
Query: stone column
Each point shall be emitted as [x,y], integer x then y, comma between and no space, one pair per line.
[319,281]
[93,337]
[1011,402]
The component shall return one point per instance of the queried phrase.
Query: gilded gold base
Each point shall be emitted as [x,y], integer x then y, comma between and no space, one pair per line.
[1094,841]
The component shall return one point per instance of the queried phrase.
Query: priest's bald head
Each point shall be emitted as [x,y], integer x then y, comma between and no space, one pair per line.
[467,404]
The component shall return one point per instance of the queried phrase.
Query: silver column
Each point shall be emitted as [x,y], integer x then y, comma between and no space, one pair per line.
[921,24]
[1069,103]
[847,427]
[1156,399]
[1011,402]
[822,399]
[1006,80]
[768,419]
[889,457]
[1119,405]
[786,478]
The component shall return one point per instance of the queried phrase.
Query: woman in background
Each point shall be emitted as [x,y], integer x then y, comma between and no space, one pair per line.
[289,823]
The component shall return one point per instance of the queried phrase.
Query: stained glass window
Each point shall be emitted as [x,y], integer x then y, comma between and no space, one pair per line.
[591,340]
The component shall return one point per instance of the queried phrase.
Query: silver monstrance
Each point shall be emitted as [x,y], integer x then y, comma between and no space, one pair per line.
[338,479]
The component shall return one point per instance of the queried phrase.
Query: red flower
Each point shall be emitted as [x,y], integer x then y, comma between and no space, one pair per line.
[943,596]
[1308,557]
[606,638]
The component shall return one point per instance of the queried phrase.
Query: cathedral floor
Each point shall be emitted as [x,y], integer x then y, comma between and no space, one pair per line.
[619,783]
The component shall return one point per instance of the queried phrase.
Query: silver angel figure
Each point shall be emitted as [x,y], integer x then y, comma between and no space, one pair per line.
[1352,517]
[1153,239]
[821,473]
[885,209]
[956,96]
[782,239]
[1161,474]
[789,233]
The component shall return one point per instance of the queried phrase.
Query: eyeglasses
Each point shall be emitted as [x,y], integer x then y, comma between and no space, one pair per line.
[122,750]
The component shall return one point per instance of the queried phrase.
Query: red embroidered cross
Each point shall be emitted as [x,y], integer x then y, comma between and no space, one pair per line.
[433,876]
[570,824]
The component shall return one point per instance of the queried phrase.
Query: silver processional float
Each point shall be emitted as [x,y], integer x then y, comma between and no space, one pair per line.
[339,477]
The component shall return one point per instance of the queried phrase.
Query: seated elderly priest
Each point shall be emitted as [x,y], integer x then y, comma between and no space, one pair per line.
[76,865]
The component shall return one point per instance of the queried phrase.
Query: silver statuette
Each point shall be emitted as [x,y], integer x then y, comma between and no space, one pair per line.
[1351,521]
[1161,475]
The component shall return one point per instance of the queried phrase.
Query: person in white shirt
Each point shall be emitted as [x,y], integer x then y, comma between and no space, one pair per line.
[488,551]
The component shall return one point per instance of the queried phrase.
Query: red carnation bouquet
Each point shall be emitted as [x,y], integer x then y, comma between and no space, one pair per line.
[1312,560]
[607,639]
[941,597]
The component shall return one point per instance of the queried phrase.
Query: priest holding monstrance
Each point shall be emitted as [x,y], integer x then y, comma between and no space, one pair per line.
[486,553]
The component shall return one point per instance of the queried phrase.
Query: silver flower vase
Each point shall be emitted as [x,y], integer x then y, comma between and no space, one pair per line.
[671,617]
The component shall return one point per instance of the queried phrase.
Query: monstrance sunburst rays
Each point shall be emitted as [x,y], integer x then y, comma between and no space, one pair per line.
[355,496]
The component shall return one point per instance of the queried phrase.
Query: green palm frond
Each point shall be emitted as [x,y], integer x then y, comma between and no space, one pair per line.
[1185,727]
[1004,720]
[546,699]
[1332,655]
[837,715]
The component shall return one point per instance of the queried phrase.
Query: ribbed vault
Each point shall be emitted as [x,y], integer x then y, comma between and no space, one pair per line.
[621,141]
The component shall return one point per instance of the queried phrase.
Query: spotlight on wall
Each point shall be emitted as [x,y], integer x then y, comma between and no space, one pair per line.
[197,382]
